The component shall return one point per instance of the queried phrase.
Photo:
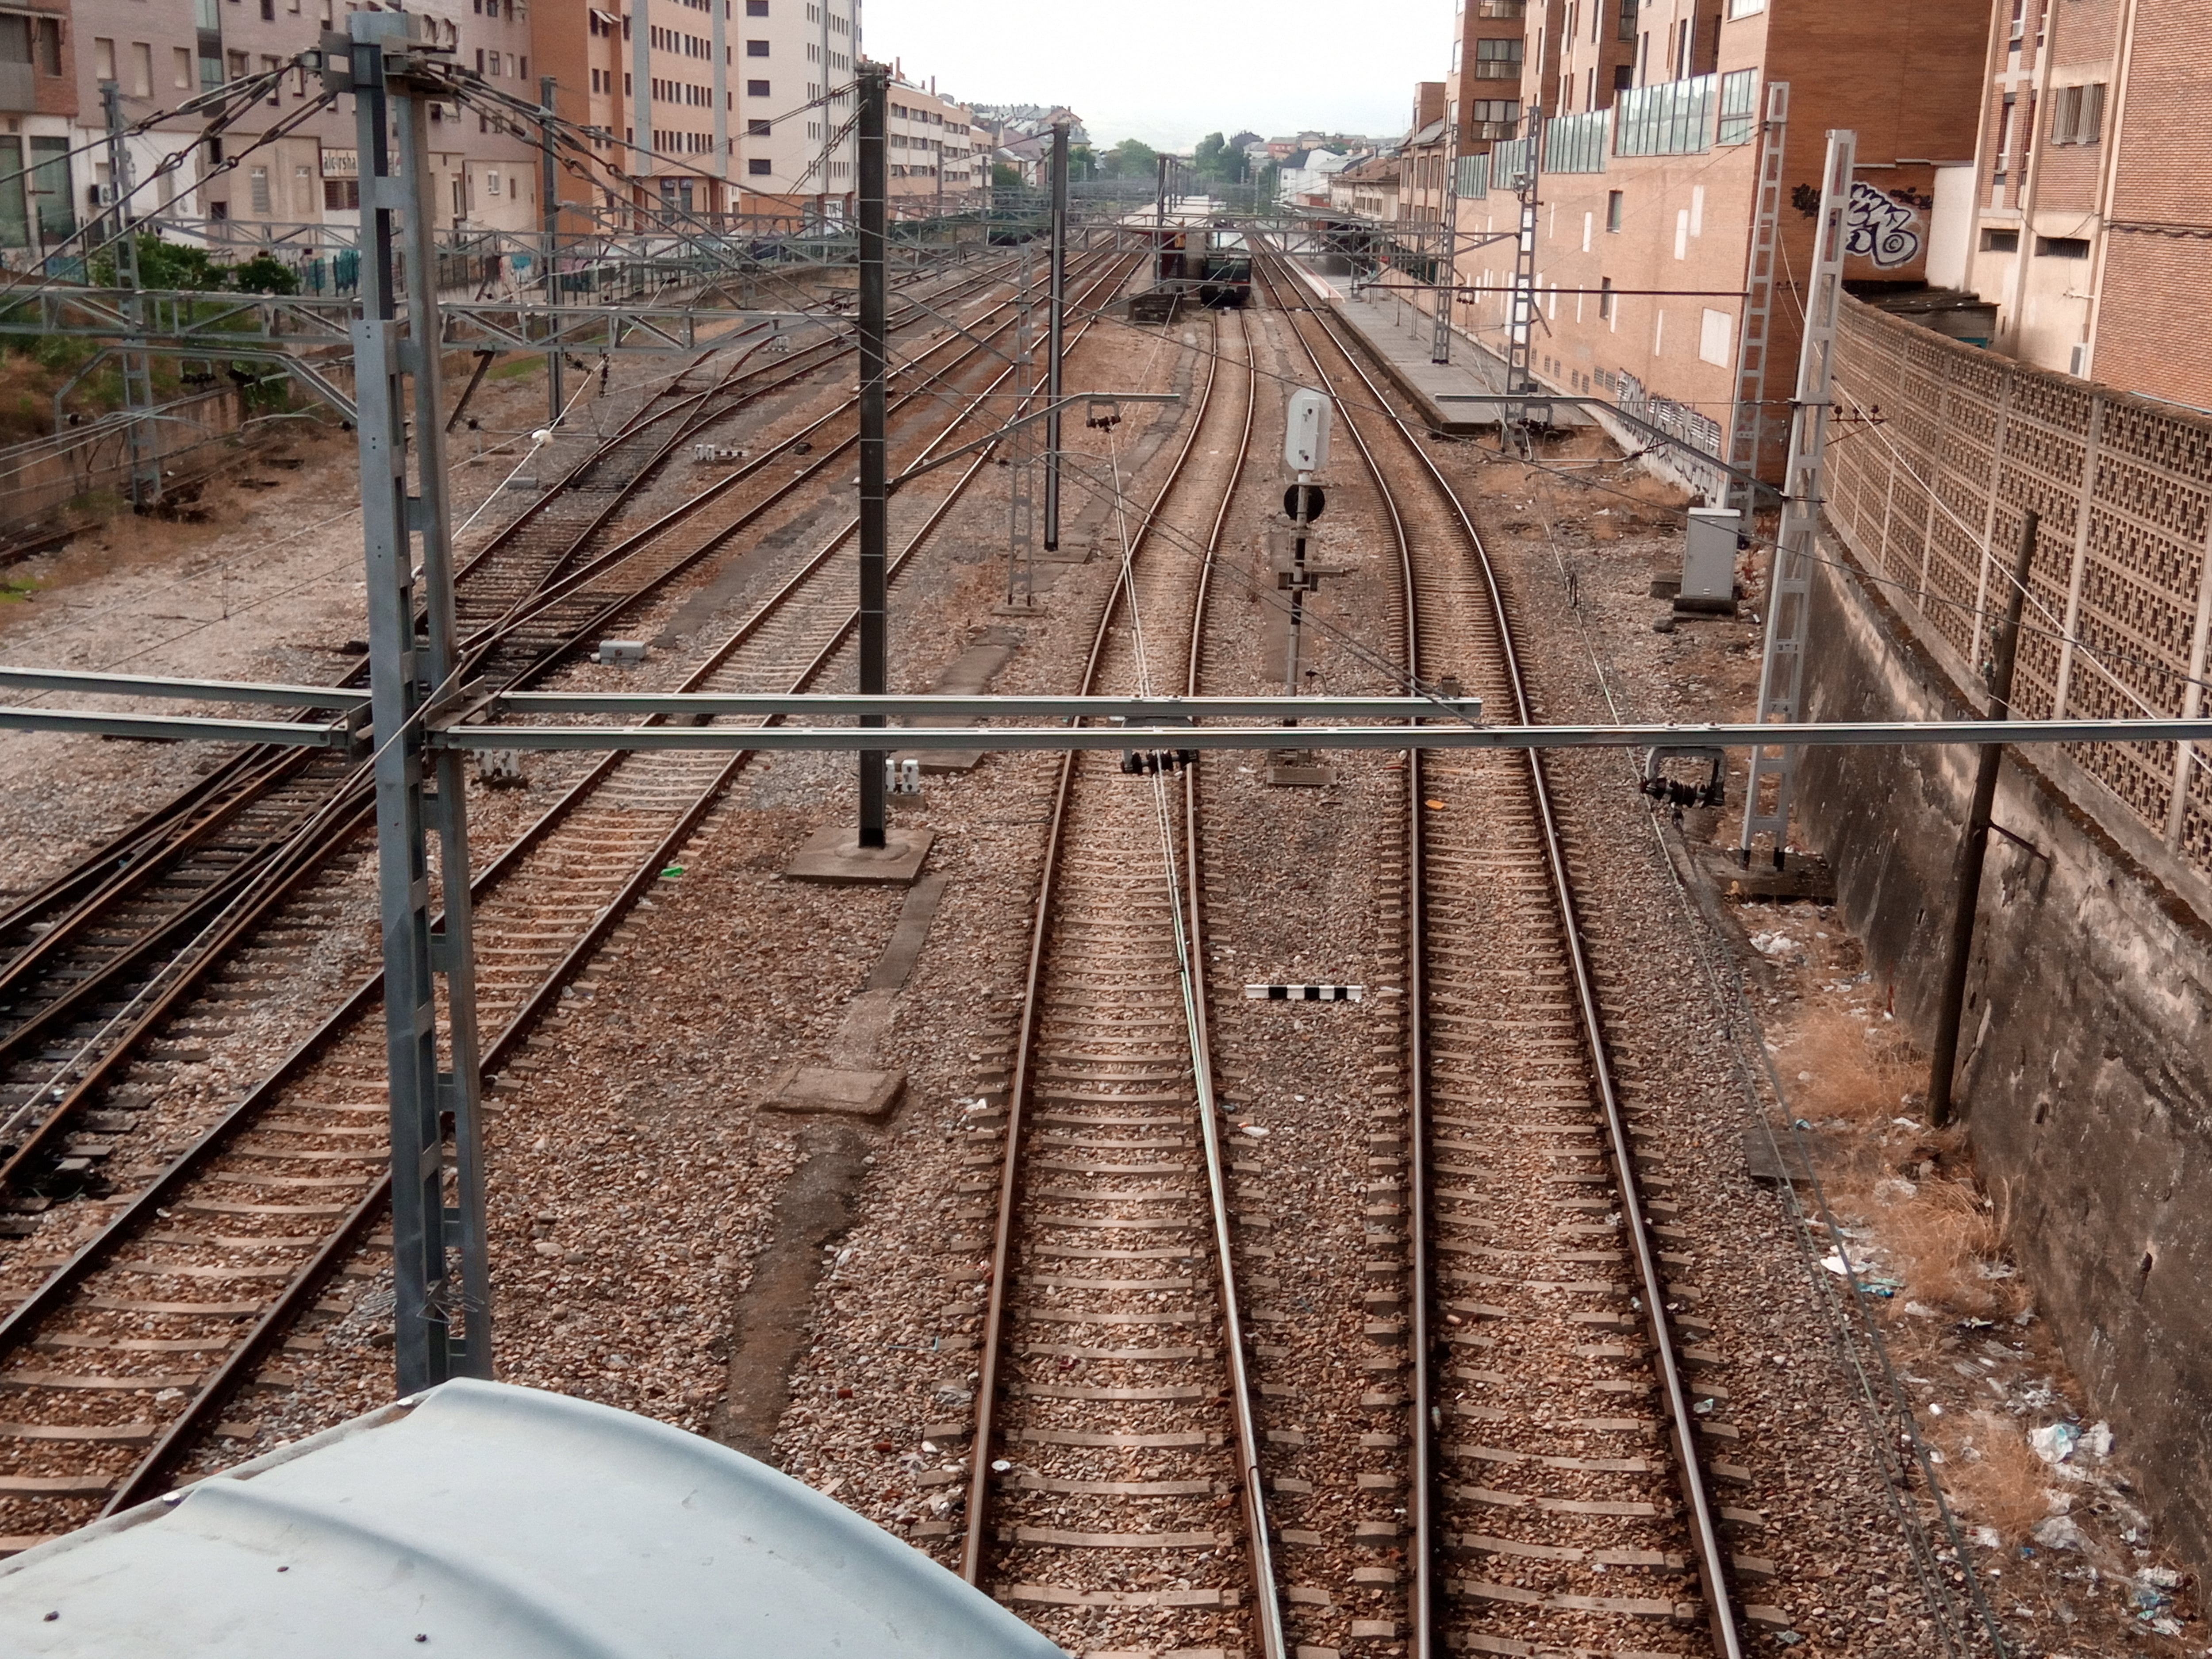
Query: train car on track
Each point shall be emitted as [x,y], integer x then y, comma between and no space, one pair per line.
[1200,255]
[495,1522]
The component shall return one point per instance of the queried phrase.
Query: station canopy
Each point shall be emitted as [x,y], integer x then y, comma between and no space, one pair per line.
[486,1521]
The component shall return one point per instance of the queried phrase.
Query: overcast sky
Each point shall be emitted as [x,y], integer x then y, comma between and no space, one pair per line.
[1170,71]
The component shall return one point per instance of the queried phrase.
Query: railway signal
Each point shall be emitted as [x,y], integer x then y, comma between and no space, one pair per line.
[1305,452]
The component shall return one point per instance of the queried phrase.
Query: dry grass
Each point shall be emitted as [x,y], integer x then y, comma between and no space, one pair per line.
[1859,1070]
[1942,1241]
[1995,1477]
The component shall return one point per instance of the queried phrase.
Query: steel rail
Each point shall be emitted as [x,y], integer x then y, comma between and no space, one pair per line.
[1274,1642]
[1421,1441]
[148,1478]
[1708,1554]
[1028,1025]
[262,878]
[130,853]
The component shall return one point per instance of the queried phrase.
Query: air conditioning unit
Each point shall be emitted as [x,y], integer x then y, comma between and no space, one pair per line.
[2077,361]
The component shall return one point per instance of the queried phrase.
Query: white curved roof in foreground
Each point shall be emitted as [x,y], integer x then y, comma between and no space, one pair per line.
[486,1521]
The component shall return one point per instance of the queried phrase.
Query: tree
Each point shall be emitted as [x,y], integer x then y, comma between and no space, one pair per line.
[1005,175]
[1132,158]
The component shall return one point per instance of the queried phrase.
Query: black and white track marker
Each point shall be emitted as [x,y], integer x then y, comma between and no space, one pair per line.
[1304,993]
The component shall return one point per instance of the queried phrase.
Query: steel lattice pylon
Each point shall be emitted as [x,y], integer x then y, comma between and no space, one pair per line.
[1782,668]
[1747,434]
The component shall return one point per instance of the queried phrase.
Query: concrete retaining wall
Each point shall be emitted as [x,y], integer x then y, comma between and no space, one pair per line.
[2087,1052]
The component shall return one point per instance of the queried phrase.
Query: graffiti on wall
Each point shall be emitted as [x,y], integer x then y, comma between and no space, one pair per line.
[1880,227]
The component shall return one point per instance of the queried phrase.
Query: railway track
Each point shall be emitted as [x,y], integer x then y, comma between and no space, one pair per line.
[1561,1417]
[107,953]
[1114,1495]
[120,1361]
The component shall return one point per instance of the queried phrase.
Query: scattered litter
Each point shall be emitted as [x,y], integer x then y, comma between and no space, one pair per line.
[1834,1262]
[1920,1310]
[1434,806]
[2158,1578]
[2055,1443]
[1989,1538]
[1894,1189]
[999,1465]
[1906,1123]
[1258,1131]
[671,872]
[2059,1533]
[2098,1440]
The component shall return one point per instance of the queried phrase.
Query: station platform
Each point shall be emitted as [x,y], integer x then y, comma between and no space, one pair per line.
[1402,339]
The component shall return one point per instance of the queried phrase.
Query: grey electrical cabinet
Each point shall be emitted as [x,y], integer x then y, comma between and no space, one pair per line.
[1708,548]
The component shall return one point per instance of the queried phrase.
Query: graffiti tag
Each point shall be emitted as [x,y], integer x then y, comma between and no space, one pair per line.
[1880,227]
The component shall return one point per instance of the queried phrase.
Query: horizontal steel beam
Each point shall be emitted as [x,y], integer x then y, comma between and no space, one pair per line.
[148,685]
[219,322]
[177,728]
[835,705]
[1871,735]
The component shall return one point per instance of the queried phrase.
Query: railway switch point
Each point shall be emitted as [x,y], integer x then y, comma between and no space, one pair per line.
[834,856]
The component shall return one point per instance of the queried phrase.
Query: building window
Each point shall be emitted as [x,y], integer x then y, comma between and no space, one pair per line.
[759,167]
[1613,210]
[756,7]
[341,195]
[2000,241]
[1605,291]
[1739,106]
[142,70]
[760,129]
[258,178]
[756,89]
[1494,117]
[1497,60]
[103,60]
[2060,247]
[756,48]
[1626,29]
[180,67]
[49,45]
[2077,114]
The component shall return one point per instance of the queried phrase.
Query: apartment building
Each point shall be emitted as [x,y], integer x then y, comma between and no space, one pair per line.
[38,98]
[1647,202]
[2079,215]
[1368,188]
[935,163]
[794,154]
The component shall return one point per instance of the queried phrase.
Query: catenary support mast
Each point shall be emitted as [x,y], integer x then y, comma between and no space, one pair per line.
[442,1311]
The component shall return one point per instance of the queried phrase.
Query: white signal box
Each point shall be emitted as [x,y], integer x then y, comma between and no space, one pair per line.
[1305,440]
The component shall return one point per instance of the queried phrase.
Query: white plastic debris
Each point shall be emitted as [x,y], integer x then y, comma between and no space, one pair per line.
[2055,1443]
[1989,1538]
[2098,1439]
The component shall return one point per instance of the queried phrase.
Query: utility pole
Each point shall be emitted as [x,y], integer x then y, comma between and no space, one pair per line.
[548,190]
[1055,336]
[1789,594]
[1520,327]
[872,182]
[442,1329]
[138,369]
[1160,212]
[1445,285]
[1021,459]
[1747,431]
[1974,847]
